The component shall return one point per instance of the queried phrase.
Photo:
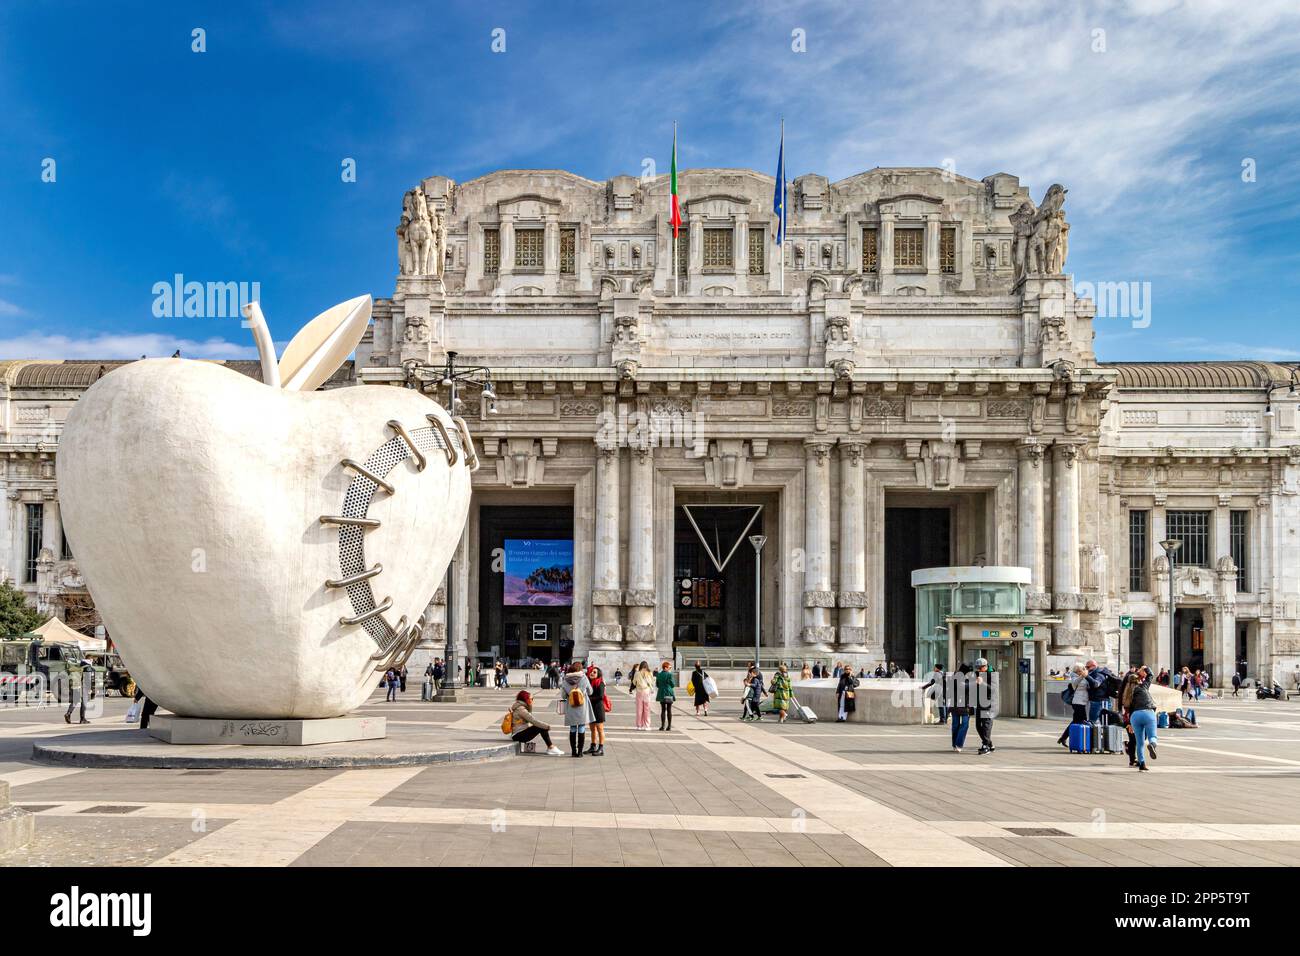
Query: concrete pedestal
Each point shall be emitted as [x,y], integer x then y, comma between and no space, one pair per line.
[17,826]
[452,695]
[276,733]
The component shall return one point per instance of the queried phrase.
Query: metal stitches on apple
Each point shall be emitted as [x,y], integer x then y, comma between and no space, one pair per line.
[370,477]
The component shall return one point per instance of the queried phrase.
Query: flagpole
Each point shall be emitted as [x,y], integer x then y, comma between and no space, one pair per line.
[784,218]
[671,225]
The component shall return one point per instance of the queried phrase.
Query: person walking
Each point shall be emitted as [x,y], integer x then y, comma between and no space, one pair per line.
[817,670]
[505,673]
[401,678]
[665,693]
[599,703]
[756,693]
[782,692]
[1140,713]
[984,706]
[845,692]
[80,679]
[1236,684]
[642,688]
[697,683]
[577,706]
[1078,688]
[524,726]
[1098,689]
[390,681]
[957,694]
[936,681]
[426,686]
[147,708]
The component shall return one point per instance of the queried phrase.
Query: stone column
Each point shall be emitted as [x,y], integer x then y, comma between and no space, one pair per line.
[52,532]
[932,244]
[740,251]
[1160,584]
[551,246]
[853,546]
[1222,658]
[1029,524]
[885,248]
[818,598]
[507,245]
[640,596]
[606,593]
[1067,599]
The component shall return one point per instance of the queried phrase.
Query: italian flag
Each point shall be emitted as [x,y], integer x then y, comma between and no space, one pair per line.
[677,209]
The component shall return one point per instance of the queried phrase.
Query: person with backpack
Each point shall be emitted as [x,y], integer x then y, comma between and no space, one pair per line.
[599,704]
[666,693]
[576,689]
[1076,696]
[390,681]
[523,726]
[1099,689]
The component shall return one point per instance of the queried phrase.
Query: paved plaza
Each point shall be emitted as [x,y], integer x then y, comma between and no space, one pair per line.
[712,792]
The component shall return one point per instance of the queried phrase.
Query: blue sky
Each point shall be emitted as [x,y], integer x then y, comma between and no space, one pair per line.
[225,165]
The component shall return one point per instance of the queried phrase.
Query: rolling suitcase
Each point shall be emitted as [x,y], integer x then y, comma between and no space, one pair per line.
[805,712]
[1096,739]
[1113,742]
[1080,735]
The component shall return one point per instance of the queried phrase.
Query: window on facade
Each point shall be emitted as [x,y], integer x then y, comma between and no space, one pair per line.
[947,250]
[717,249]
[491,251]
[568,251]
[1192,528]
[1139,523]
[529,246]
[909,249]
[757,252]
[1239,542]
[65,549]
[870,251]
[35,531]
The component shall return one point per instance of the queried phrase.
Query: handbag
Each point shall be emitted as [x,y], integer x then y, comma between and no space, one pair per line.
[609,708]
[690,688]
[710,687]
[133,712]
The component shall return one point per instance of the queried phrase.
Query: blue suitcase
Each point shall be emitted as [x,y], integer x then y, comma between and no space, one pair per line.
[1080,738]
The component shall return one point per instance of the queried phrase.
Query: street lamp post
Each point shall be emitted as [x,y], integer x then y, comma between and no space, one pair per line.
[428,378]
[1171,546]
[758,540]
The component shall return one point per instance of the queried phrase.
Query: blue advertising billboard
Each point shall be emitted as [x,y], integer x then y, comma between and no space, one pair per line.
[539,572]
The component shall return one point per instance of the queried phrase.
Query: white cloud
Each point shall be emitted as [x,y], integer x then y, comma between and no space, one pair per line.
[125,345]
[8,308]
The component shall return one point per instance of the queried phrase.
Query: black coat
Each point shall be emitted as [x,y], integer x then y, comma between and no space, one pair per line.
[847,683]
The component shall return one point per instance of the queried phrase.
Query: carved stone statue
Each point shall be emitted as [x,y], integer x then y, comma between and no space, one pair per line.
[1022,226]
[418,237]
[417,330]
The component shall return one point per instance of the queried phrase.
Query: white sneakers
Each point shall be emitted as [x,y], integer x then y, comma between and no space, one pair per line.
[554,752]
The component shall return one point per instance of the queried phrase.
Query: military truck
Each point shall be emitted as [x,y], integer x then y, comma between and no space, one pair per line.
[116,676]
[53,656]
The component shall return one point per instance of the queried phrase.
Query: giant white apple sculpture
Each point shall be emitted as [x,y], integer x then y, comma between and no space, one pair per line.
[258,549]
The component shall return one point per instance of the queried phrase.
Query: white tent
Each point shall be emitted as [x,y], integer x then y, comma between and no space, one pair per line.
[55,631]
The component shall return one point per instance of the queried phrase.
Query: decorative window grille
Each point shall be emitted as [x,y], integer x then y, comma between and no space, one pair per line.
[568,251]
[35,533]
[757,252]
[909,249]
[491,251]
[1192,528]
[870,251]
[683,244]
[1139,547]
[948,250]
[717,249]
[529,246]
[1239,540]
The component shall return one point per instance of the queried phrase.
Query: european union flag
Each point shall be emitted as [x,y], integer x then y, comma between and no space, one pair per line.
[778,197]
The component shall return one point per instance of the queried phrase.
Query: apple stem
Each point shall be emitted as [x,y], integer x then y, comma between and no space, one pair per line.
[265,347]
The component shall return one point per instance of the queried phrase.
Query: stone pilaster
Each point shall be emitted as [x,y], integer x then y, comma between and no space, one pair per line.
[640,595]
[853,546]
[1067,600]
[1029,523]
[607,595]
[818,598]
[1222,658]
